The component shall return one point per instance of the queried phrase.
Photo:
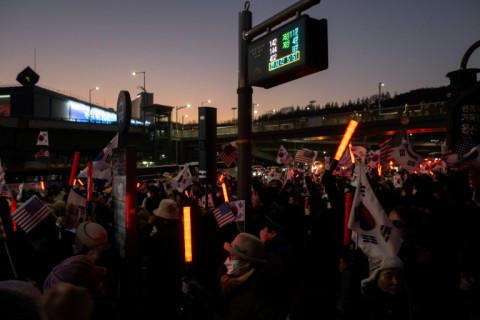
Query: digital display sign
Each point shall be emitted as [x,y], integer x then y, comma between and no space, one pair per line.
[295,49]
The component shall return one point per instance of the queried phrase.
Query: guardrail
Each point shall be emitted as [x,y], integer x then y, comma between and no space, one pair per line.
[419,110]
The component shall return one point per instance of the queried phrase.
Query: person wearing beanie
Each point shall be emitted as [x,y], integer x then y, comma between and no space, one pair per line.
[91,239]
[66,302]
[80,271]
[89,235]
[18,300]
[161,244]
[386,291]
[248,288]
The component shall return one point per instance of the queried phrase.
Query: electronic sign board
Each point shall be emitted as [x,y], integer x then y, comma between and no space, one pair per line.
[293,50]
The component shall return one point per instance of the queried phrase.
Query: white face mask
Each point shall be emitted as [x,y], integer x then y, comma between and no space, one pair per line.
[233,266]
[414,191]
[149,194]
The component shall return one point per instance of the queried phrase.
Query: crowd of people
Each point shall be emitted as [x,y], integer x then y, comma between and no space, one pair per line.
[287,260]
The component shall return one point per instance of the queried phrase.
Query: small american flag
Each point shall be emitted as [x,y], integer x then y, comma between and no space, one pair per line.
[44,153]
[387,146]
[31,213]
[306,156]
[223,214]
[229,153]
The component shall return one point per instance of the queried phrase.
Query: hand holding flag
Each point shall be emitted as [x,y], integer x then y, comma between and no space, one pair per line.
[283,157]
[229,153]
[31,213]
[223,214]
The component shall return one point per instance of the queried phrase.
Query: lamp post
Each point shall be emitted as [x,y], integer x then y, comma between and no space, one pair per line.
[208,101]
[176,129]
[380,85]
[233,114]
[134,73]
[183,117]
[90,94]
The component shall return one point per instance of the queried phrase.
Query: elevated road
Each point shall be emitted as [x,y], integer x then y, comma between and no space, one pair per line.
[426,124]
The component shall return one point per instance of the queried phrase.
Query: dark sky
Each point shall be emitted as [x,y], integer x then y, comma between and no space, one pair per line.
[189,49]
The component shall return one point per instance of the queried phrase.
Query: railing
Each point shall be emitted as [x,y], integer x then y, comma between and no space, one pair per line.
[419,110]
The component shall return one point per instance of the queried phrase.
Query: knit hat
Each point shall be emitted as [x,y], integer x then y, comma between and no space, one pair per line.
[247,247]
[375,268]
[25,288]
[167,209]
[78,270]
[91,234]
[18,300]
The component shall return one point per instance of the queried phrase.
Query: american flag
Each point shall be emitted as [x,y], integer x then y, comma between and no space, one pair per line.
[387,146]
[305,156]
[223,214]
[31,213]
[229,153]
[43,153]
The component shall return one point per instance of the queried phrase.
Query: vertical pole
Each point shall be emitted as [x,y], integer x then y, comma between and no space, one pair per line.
[244,92]
[176,134]
[379,95]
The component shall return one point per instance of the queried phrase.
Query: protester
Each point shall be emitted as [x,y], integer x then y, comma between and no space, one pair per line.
[66,302]
[18,300]
[79,270]
[386,291]
[161,241]
[281,253]
[247,288]
[91,239]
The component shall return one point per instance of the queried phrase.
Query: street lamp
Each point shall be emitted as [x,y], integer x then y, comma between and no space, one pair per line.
[176,114]
[137,72]
[183,117]
[233,114]
[208,101]
[176,129]
[380,85]
[90,94]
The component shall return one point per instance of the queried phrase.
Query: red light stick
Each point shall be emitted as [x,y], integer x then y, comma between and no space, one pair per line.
[76,158]
[89,180]
[348,208]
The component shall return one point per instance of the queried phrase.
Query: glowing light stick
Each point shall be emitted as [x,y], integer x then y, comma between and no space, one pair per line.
[352,125]
[187,234]
[225,193]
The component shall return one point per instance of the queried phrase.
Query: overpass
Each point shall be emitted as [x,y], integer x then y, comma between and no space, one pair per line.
[426,124]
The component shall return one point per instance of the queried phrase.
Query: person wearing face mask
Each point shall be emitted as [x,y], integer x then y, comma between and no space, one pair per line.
[247,289]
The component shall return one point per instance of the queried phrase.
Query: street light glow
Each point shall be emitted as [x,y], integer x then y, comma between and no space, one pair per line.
[90,93]
[380,85]
[176,128]
[134,73]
